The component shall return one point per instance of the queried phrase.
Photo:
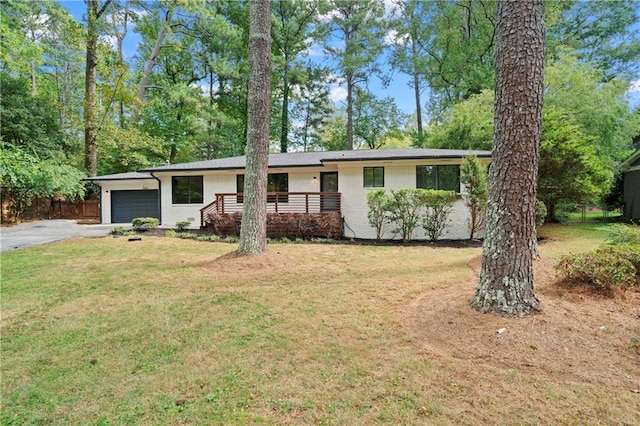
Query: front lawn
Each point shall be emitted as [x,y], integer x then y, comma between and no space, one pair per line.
[171,331]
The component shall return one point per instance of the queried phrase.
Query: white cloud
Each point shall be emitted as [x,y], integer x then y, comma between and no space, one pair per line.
[110,40]
[392,39]
[338,94]
[634,87]
[327,17]
[313,49]
[337,91]
[392,8]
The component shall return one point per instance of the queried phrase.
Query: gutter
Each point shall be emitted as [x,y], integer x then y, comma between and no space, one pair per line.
[159,196]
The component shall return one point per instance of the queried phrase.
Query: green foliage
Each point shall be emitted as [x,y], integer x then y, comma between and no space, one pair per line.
[378,214]
[604,33]
[604,269]
[570,167]
[171,233]
[404,210]
[466,125]
[124,150]
[182,225]
[26,176]
[599,109]
[375,120]
[541,212]
[456,60]
[29,122]
[473,176]
[621,234]
[145,223]
[117,231]
[438,205]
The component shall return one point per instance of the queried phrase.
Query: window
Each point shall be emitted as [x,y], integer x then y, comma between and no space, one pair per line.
[276,182]
[186,190]
[445,178]
[373,177]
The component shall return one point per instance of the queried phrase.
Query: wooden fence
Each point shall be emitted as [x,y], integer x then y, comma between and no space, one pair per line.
[84,210]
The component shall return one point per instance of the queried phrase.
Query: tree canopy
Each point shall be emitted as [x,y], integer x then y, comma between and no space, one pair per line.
[183,94]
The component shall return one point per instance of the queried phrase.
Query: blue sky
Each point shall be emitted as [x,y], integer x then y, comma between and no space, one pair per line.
[397,89]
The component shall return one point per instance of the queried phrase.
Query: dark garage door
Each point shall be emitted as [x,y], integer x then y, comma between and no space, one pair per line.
[127,205]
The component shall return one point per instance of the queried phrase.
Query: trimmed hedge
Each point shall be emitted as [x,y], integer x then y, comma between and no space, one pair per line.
[145,223]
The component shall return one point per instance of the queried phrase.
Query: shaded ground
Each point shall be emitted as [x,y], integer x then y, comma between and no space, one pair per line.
[576,337]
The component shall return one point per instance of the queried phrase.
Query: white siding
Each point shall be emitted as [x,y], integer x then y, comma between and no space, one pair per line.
[120,185]
[216,182]
[397,175]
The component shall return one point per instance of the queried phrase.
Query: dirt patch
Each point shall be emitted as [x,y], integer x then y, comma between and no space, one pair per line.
[576,337]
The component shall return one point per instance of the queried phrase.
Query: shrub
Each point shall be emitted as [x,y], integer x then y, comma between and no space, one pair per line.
[145,223]
[474,178]
[378,215]
[404,209]
[438,206]
[182,225]
[604,269]
[621,234]
[171,233]
[118,230]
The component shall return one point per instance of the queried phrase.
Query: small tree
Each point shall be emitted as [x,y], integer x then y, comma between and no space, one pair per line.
[378,202]
[438,206]
[474,178]
[404,209]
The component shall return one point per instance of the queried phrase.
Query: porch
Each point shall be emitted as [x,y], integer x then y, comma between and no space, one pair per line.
[289,214]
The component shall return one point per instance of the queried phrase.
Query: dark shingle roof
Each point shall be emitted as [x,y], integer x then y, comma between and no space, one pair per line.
[311,159]
[120,176]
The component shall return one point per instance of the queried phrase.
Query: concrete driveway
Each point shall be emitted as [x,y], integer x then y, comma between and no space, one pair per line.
[48,231]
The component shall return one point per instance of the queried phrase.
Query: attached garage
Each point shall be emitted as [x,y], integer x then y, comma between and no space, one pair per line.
[127,205]
[125,196]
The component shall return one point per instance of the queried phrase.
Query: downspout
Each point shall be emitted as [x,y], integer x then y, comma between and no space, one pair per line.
[159,196]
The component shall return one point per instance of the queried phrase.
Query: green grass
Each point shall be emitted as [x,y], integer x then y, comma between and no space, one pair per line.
[165,331]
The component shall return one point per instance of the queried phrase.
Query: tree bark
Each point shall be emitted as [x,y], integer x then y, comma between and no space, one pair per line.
[253,231]
[416,88]
[90,121]
[506,278]
[350,110]
[284,130]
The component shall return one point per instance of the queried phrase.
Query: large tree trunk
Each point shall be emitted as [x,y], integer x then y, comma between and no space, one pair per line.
[350,110]
[416,88]
[253,231]
[506,278]
[90,121]
[284,135]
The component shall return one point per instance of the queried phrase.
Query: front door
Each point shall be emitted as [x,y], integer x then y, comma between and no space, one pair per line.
[329,183]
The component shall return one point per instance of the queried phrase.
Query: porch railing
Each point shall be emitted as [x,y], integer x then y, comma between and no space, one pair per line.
[277,202]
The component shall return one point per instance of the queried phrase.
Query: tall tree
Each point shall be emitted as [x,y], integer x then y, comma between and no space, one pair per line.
[290,30]
[253,231]
[376,120]
[311,108]
[506,278]
[94,11]
[357,25]
[458,38]
[409,51]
